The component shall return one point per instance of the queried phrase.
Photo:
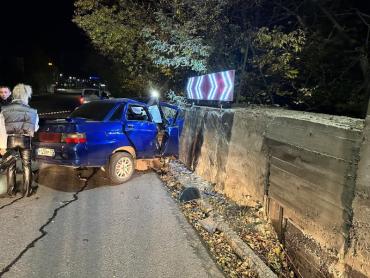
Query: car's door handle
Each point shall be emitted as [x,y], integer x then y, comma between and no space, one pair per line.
[130,126]
[114,132]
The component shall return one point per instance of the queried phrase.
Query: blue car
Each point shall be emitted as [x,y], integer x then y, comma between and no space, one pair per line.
[114,134]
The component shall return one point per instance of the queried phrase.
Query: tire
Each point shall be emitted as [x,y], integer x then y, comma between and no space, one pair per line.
[121,167]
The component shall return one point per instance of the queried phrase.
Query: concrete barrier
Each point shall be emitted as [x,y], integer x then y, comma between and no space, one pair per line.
[303,166]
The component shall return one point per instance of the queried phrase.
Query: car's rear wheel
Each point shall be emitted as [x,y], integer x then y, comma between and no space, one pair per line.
[121,167]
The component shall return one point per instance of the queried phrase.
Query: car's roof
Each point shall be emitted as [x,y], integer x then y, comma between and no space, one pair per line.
[123,100]
[133,101]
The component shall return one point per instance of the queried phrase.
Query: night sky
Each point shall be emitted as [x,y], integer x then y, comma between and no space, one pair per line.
[44,28]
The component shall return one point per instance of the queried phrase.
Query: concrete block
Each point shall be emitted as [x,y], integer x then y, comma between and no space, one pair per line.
[315,137]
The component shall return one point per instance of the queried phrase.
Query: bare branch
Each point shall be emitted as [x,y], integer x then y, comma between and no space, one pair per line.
[334,22]
[295,14]
[361,16]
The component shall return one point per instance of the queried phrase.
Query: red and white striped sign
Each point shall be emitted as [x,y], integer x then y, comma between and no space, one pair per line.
[215,86]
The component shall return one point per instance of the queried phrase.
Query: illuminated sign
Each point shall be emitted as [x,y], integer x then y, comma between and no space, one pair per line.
[215,86]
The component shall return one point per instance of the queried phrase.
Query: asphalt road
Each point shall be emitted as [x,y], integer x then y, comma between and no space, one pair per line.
[130,230]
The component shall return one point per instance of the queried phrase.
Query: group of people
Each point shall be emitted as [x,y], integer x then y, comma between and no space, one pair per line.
[18,123]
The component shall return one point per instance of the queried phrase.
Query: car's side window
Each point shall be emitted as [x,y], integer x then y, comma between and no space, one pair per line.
[117,115]
[156,114]
[137,113]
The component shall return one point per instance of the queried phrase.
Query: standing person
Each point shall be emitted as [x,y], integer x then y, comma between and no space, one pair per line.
[5,96]
[21,122]
[5,99]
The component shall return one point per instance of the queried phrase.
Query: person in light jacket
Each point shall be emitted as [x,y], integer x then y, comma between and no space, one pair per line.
[20,122]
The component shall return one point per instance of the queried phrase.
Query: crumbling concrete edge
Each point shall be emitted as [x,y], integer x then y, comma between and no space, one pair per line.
[236,243]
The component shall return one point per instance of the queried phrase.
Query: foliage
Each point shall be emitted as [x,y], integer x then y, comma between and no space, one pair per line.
[275,63]
[114,27]
[310,54]
[178,100]
[179,49]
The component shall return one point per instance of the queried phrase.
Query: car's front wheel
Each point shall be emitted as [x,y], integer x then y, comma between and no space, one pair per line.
[121,167]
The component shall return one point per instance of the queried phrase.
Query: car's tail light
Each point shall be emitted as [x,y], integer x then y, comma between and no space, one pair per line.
[82,100]
[73,138]
[49,137]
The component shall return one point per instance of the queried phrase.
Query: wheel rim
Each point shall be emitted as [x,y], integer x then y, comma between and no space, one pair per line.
[123,167]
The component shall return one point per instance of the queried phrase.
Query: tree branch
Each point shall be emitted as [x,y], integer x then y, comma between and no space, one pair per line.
[295,14]
[334,22]
[361,16]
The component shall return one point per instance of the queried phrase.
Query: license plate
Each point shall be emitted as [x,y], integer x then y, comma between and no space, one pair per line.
[45,152]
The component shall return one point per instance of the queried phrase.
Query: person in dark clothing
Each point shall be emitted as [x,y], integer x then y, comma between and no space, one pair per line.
[21,122]
[5,99]
[5,96]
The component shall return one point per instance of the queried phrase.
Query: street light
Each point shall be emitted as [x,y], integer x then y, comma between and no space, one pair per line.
[154,94]
[50,64]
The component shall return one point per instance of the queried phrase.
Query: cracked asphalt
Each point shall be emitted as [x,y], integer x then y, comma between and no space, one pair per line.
[78,228]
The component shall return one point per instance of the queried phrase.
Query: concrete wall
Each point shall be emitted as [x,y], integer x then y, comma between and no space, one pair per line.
[358,257]
[302,165]
[216,144]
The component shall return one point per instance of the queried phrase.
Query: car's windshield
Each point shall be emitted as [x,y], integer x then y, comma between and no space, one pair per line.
[94,111]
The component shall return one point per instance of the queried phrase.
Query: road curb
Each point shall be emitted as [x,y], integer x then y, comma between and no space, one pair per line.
[236,243]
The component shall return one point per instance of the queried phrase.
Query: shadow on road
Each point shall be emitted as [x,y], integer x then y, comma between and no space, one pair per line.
[67,179]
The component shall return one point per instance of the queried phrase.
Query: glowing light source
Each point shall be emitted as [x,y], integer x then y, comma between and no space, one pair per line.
[198,90]
[50,64]
[189,88]
[154,93]
[213,82]
[217,86]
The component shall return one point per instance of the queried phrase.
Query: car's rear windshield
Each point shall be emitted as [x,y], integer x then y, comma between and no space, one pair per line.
[94,111]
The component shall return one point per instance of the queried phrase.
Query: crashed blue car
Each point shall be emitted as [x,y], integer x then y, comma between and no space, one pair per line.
[114,134]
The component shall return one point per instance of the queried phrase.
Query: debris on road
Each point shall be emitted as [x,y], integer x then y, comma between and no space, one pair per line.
[208,224]
[189,194]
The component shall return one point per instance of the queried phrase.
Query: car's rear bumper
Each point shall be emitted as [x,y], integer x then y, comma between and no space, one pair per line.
[74,155]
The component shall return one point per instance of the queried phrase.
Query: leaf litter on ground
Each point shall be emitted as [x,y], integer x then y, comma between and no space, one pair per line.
[249,223]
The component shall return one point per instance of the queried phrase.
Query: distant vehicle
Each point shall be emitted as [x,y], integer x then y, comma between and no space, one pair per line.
[88,95]
[69,91]
[113,133]
[82,91]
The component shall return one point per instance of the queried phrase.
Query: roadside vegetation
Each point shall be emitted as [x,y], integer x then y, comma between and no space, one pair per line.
[310,55]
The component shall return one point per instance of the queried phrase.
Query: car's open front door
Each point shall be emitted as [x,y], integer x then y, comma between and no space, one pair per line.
[140,130]
[173,120]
